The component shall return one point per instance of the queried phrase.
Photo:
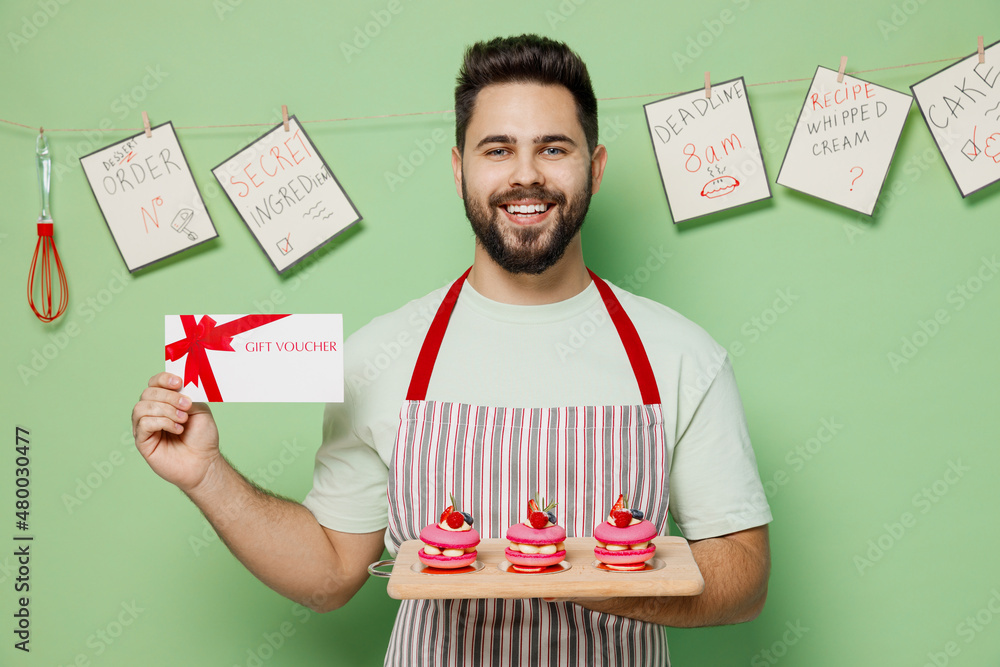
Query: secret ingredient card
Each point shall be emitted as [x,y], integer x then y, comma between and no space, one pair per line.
[707,150]
[286,194]
[961,106]
[257,358]
[148,197]
[844,140]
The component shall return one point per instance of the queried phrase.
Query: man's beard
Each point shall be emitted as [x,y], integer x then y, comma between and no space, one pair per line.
[531,249]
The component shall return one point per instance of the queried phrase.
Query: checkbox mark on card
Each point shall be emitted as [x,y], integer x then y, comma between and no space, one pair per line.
[285,245]
[970,150]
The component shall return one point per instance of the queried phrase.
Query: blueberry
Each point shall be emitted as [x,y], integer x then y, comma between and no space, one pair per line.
[552,516]
[467,517]
[636,514]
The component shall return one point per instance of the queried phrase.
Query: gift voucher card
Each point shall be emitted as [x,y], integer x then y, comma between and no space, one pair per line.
[286,194]
[148,197]
[257,358]
[961,106]
[707,150]
[844,140]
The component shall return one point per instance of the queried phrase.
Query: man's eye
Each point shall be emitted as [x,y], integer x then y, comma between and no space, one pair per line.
[553,150]
[497,152]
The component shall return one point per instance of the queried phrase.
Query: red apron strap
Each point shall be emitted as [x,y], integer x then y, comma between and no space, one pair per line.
[633,345]
[626,331]
[432,343]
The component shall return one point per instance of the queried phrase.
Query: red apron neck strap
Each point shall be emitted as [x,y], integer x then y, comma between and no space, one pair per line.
[432,342]
[626,331]
[633,345]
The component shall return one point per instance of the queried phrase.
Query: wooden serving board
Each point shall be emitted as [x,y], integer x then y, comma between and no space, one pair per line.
[679,575]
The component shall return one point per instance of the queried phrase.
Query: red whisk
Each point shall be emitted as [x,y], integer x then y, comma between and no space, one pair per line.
[45,249]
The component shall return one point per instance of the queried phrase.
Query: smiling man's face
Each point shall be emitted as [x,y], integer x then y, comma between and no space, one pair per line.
[526,174]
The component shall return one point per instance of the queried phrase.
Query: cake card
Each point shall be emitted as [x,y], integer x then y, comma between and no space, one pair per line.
[148,197]
[707,150]
[844,140]
[257,358]
[961,106]
[286,194]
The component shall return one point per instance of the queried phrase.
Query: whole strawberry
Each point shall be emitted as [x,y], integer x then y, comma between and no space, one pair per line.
[455,518]
[540,513]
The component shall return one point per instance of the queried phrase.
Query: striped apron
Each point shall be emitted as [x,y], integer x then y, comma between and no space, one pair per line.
[493,459]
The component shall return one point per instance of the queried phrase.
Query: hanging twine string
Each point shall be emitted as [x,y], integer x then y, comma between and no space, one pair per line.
[444,111]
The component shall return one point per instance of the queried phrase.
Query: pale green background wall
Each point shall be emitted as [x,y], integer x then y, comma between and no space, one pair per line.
[861,286]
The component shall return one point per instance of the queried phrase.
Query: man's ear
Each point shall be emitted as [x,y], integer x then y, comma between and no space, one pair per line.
[456,166]
[597,163]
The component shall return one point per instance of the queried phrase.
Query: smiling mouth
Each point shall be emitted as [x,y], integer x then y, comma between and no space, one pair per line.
[527,213]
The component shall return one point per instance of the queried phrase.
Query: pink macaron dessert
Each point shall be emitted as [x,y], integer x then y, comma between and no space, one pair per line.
[451,543]
[624,541]
[537,543]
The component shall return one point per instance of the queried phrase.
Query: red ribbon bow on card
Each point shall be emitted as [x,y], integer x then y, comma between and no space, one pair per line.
[205,335]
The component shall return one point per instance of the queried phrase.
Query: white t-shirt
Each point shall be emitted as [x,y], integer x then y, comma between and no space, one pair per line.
[562,354]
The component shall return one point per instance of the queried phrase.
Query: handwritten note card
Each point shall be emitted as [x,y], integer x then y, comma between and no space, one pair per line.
[844,140]
[286,194]
[707,150]
[148,197]
[961,105]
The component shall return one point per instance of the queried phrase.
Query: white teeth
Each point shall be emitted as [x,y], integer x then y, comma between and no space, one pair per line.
[527,208]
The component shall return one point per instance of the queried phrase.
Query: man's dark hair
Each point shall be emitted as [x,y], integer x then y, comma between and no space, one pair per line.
[524,59]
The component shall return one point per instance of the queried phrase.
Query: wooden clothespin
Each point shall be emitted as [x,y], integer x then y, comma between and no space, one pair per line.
[145,125]
[982,53]
[41,130]
[284,116]
[843,66]
[708,86]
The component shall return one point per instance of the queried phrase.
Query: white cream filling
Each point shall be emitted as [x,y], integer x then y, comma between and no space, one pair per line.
[623,547]
[434,551]
[547,549]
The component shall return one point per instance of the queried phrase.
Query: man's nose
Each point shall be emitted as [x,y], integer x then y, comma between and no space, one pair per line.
[526,171]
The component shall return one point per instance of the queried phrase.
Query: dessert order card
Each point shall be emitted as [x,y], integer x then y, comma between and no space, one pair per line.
[286,194]
[257,358]
[961,106]
[148,197]
[844,140]
[707,150]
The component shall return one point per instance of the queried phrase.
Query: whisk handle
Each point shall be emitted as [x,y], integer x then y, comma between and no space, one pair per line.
[43,160]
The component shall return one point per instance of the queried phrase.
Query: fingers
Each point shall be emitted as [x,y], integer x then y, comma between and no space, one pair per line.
[165,380]
[160,408]
[173,398]
[147,425]
[150,416]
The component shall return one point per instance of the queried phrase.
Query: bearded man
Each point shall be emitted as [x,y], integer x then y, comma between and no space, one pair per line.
[491,409]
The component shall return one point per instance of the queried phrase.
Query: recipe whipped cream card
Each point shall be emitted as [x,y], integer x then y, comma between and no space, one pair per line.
[257,358]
